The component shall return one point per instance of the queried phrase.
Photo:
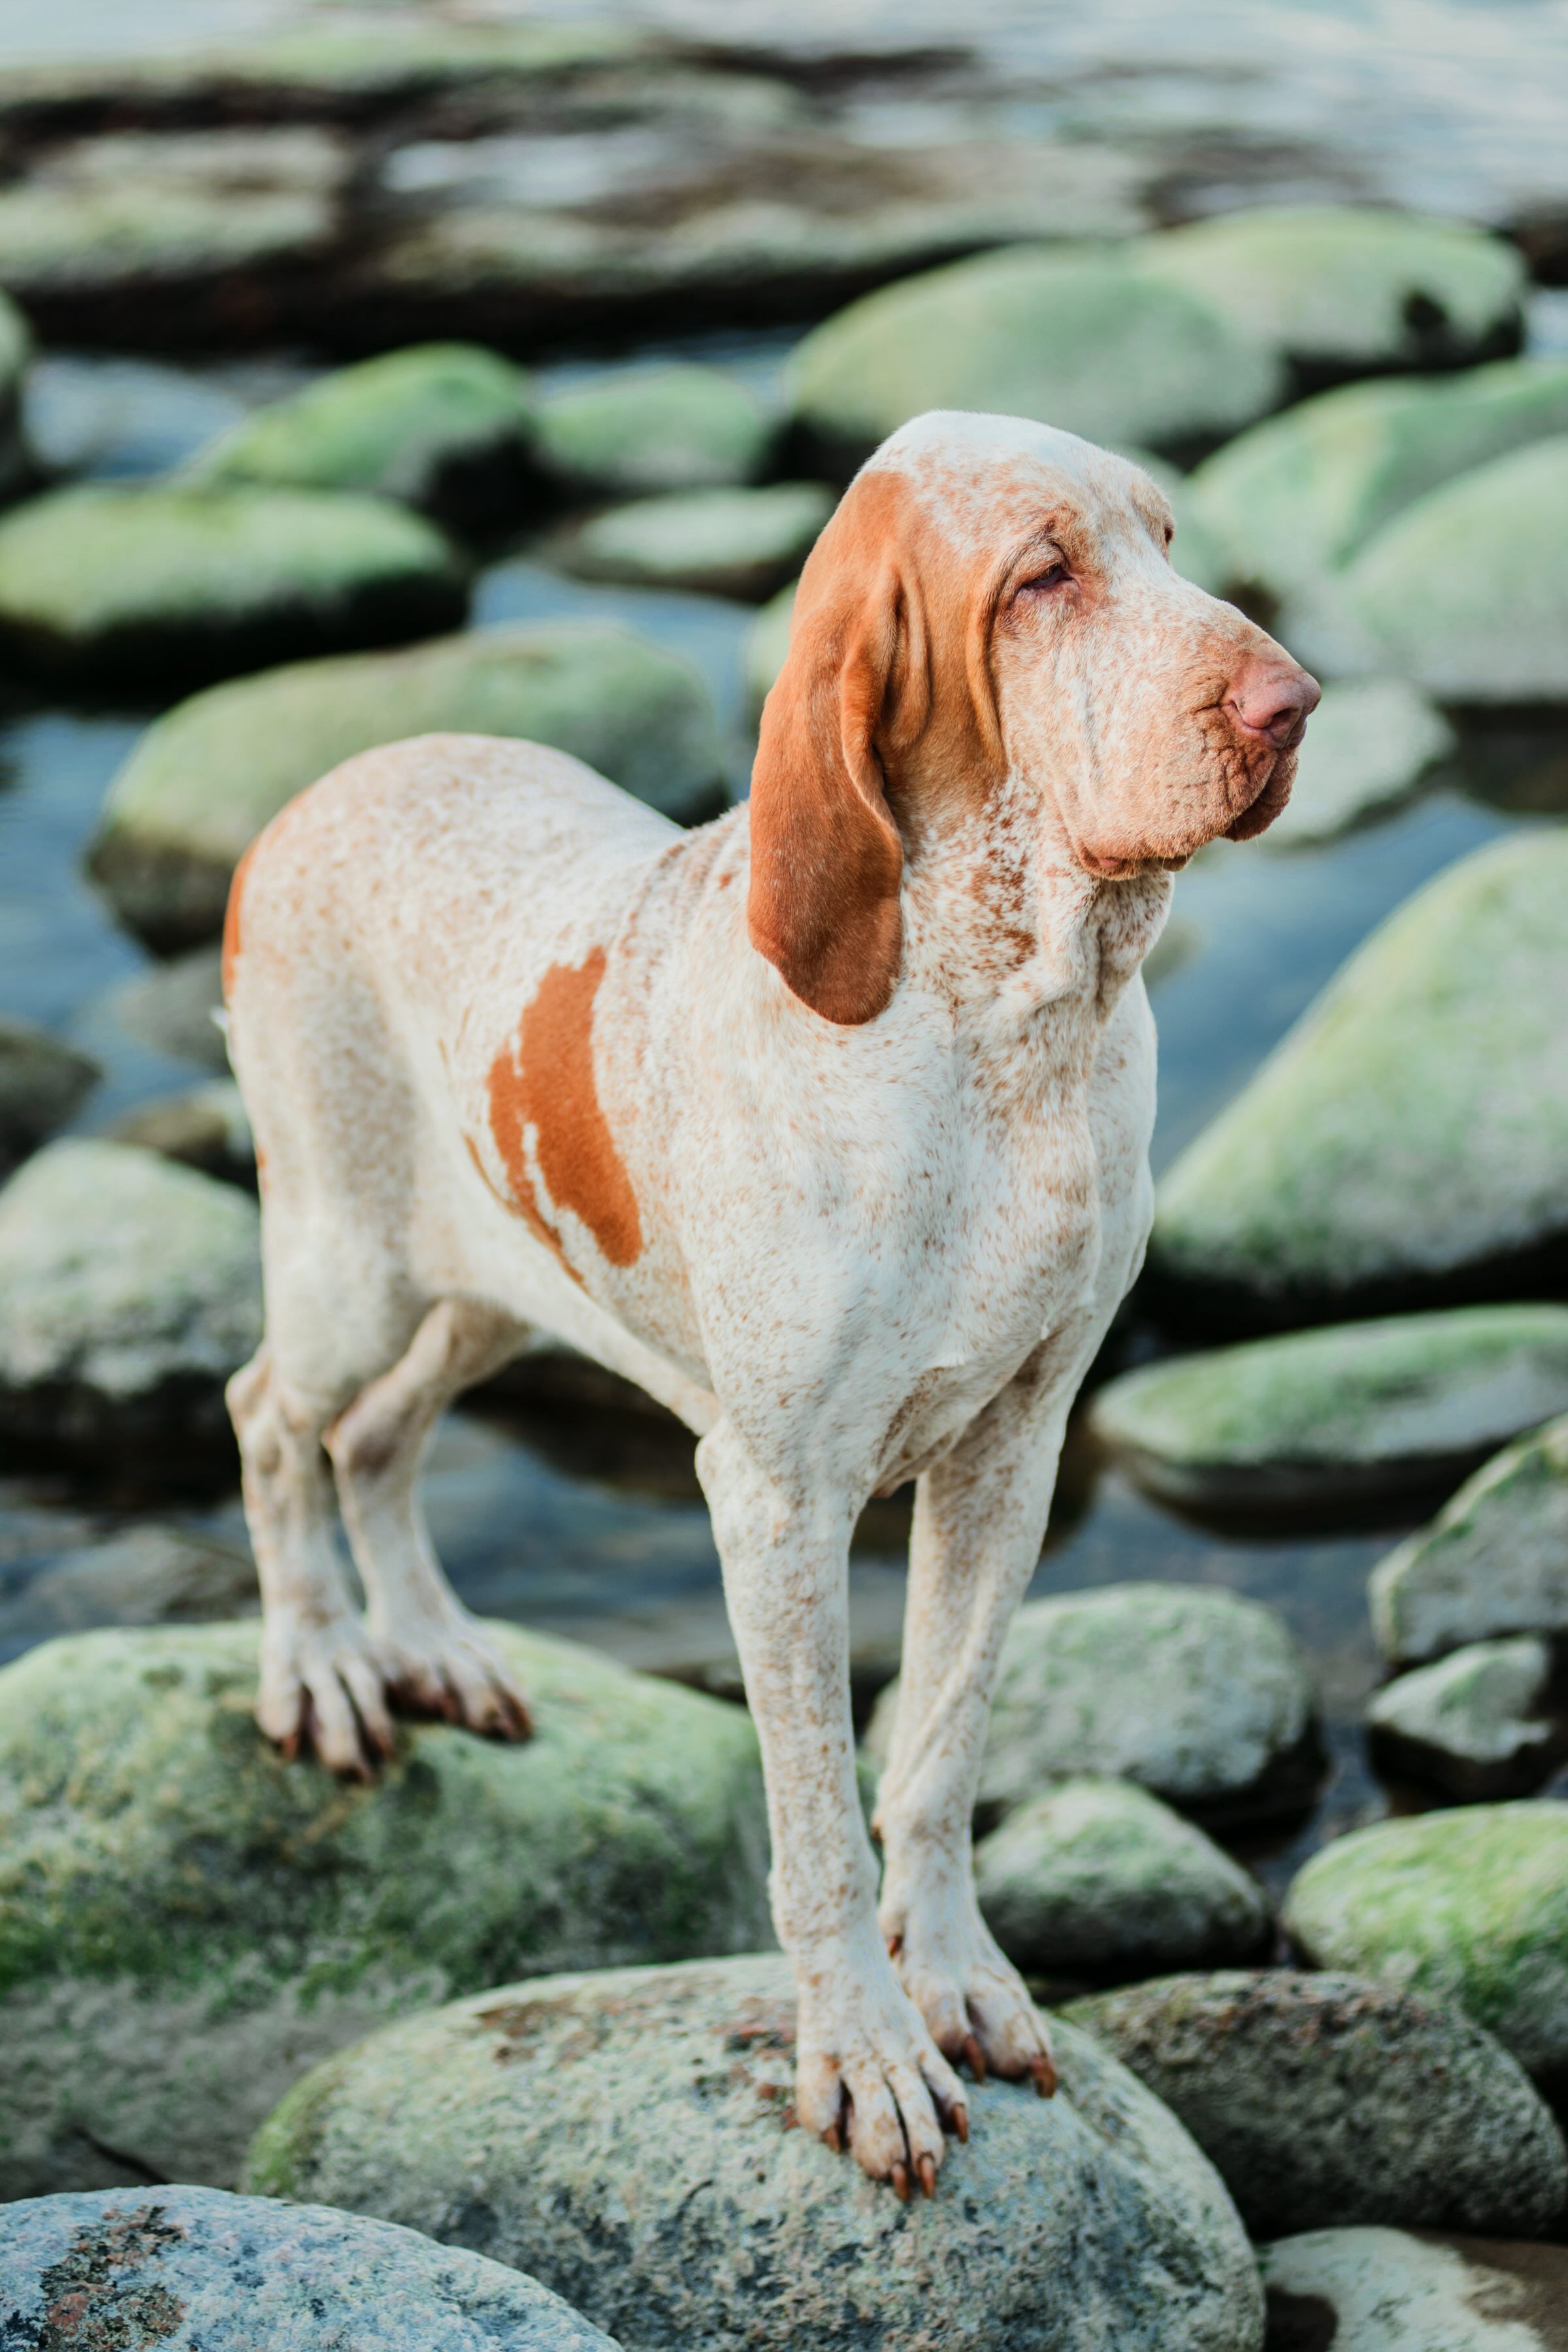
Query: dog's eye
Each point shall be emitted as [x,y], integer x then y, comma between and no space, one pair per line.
[1054,575]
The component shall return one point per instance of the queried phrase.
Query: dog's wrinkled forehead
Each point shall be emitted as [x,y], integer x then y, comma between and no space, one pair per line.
[980,479]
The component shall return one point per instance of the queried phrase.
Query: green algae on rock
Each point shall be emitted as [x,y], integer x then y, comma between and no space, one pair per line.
[1371,741]
[1371,2290]
[176,581]
[647,429]
[1478,1723]
[1331,1418]
[743,543]
[187,1921]
[445,426]
[1086,343]
[1493,1562]
[1408,1142]
[42,1084]
[196,2270]
[1324,2099]
[1098,1880]
[1346,289]
[1469,1906]
[537,2123]
[129,1292]
[207,776]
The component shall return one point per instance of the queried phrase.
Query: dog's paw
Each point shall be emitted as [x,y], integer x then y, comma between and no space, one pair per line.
[975,2004]
[868,2076]
[322,1692]
[443,1664]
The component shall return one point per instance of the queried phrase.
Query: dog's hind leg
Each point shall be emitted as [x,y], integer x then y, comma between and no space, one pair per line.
[430,1654]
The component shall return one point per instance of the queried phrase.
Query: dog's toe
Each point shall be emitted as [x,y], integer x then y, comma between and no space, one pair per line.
[322,1695]
[448,1668]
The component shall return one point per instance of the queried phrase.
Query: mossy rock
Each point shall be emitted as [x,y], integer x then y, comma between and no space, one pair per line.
[1407,1144]
[42,1085]
[649,429]
[139,585]
[628,2139]
[1346,289]
[1298,495]
[1469,1906]
[1479,1723]
[1371,742]
[187,1921]
[1493,1562]
[205,778]
[1086,343]
[743,544]
[445,426]
[1374,2290]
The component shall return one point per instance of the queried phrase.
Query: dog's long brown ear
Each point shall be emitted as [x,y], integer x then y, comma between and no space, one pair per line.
[827,858]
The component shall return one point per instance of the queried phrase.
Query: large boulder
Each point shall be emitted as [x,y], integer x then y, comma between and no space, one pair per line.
[1192,1692]
[1099,1881]
[1086,343]
[647,429]
[42,1084]
[130,1291]
[146,586]
[206,777]
[1322,2100]
[1469,1906]
[1346,290]
[195,2270]
[1371,2290]
[1331,1420]
[733,542]
[628,2139]
[1481,1722]
[1408,1142]
[187,1921]
[1371,741]
[445,426]
[1494,1560]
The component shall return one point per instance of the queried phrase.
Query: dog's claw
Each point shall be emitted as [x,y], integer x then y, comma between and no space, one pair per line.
[926,2168]
[961,2126]
[975,2058]
[1045,2075]
[901,2182]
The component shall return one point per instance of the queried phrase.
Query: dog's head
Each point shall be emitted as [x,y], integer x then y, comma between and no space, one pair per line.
[992,605]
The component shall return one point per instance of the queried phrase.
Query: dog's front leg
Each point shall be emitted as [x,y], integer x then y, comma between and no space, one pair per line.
[867,2070]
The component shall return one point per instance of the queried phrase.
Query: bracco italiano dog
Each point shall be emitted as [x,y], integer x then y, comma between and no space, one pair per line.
[827,1122]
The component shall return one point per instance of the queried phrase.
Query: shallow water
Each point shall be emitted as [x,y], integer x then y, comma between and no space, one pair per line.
[590,1523]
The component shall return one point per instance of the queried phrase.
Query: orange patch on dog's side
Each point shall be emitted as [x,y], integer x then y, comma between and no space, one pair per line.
[231,923]
[546,1082]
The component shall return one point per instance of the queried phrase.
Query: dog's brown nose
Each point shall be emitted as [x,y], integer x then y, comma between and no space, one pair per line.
[1272,700]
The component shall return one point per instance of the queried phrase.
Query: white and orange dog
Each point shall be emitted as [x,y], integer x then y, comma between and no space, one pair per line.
[827,1122]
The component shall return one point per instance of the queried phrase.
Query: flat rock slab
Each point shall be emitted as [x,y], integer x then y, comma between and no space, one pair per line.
[207,776]
[1329,1420]
[1407,1143]
[628,2139]
[187,1922]
[1197,1695]
[724,542]
[1385,2291]
[1469,1906]
[1098,1880]
[172,583]
[193,2270]
[1485,1721]
[1328,2099]
[647,429]
[1494,1560]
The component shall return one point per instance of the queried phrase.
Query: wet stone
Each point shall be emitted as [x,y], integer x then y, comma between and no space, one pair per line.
[1371,2290]
[650,429]
[194,2270]
[738,542]
[42,1085]
[151,2014]
[145,1575]
[170,1009]
[1493,1562]
[1328,2099]
[207,1128]
[1371,742]
[1333,1419]
[533,2121]
[1479,1723]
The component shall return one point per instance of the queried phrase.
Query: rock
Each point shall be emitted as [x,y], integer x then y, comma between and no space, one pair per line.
[1098,1880]
[1477,1724]
[130,1291]
[766,648]
[1191,1692]
[647,429]
[533,2122]
[1332,1420]
[42,1084]
[445,426]
[113,583]
[1491,631]
[15,349]
[145,1575]
[1322,2100]
[170,1009]
[1197,551]
[1469,1906]
[194,2270]
[1371,741]
[119,418]
[743,544]
[206,1128]
[1295,497]
[1089,343]
[190,1921]
[208,775]
[1407,1143]
[1383,2290]
[1494,1560]
[1346,290]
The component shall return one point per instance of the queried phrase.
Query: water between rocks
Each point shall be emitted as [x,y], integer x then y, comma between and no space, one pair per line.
[589,1523]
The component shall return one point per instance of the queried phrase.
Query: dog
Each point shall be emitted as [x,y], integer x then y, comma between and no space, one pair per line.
[827,1122]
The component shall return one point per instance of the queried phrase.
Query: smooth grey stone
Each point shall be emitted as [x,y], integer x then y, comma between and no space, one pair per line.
[1371,2290]
[1494,1560]
[726,542]
[146,1575]
[1479,1723]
